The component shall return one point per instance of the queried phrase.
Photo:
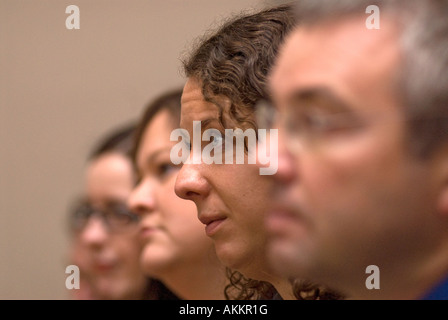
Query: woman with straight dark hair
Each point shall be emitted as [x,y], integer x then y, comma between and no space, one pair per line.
[175,248]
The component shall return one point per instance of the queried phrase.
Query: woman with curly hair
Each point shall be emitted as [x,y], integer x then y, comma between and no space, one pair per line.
[226,77]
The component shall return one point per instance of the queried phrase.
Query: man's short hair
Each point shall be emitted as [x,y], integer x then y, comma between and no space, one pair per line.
[422,77]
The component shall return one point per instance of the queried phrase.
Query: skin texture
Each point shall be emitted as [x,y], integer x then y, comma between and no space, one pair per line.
[351,196]
[234,196]
[176,249]
[108,261]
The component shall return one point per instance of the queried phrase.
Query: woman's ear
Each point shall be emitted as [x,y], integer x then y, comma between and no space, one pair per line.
[440,173]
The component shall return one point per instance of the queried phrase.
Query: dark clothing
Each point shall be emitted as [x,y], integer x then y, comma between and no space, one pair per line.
[439,292]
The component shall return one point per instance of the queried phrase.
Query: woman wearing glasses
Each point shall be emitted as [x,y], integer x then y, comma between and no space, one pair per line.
[104,242]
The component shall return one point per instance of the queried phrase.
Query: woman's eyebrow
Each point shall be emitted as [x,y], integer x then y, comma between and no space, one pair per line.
[150,159]
[208,121]
[204,122]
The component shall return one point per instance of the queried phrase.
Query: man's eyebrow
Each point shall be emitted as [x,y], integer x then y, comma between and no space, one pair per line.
[319,95]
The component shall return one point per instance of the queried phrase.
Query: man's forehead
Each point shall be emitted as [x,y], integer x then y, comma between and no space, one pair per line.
[316,52]
[349,35]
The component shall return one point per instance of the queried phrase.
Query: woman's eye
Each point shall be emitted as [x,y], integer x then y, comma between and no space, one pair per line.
[166,168]
[138,180]
[217,141]
[187,144]
[212,137]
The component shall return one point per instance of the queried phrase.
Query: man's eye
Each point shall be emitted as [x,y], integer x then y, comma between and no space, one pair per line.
[320,122]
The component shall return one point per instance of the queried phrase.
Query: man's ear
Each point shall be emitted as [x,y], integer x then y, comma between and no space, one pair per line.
[442,202]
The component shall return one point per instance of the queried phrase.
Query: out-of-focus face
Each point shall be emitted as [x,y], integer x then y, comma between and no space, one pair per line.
[109,259]
[230,198]
[348,194]
[172,236]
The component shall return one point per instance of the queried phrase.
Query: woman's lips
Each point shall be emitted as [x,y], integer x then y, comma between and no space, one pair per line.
[103,267]
[212,227]
[147,232]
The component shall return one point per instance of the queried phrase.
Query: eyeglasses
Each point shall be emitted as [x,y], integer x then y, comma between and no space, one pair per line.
[311,125]
[116,216]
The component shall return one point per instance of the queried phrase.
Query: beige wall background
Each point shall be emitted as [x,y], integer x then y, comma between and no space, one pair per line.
[60,90]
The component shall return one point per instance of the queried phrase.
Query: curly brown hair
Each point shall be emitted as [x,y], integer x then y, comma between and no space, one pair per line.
[243,288]
[234,62]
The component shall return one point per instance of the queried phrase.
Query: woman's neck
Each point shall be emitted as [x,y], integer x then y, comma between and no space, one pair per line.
[284,288]
[205,281]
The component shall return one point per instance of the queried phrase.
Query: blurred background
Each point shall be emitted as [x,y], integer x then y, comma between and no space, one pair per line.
[60,91]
